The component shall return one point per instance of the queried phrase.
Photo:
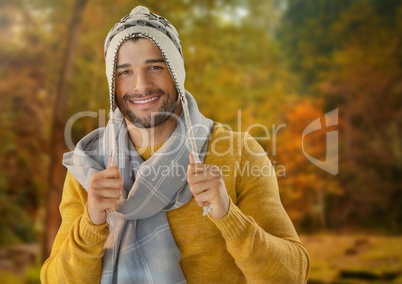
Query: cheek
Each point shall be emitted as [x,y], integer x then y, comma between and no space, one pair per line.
[117,95]
[170,86]
[119,92]
[121,89]
[118,85]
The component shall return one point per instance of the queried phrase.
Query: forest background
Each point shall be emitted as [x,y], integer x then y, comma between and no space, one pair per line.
[275,64]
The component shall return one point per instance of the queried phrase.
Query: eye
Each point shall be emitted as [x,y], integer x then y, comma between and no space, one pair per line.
[124,72]
[155,67]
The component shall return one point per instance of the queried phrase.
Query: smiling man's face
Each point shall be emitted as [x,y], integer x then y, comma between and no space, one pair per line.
[145,92]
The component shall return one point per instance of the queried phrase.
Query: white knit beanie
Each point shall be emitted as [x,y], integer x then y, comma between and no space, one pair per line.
[143,23]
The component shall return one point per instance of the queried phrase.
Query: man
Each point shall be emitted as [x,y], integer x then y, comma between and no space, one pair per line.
[131,207]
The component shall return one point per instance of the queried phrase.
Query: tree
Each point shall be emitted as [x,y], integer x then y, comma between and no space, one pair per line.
[332,48]
[306,189]
[23,116]
[56,170]
[366,79]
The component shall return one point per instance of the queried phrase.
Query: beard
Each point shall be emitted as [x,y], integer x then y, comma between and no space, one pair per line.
[167,108]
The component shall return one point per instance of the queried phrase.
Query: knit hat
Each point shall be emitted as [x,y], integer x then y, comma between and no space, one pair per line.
[143,23]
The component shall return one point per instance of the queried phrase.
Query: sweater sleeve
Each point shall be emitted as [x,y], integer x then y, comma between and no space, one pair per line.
[77,251]
[258,232]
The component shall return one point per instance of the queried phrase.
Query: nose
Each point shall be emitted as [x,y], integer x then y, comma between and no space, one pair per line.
[142,82]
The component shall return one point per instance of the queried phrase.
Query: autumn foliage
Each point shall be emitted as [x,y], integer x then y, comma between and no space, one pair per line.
[258,62]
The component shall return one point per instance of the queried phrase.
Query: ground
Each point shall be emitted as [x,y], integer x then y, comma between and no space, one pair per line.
[354,259]
[335,259]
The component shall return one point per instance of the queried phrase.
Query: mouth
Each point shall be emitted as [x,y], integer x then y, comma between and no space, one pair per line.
[144,101]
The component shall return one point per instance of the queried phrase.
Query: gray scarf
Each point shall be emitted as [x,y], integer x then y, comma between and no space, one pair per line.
[141,247]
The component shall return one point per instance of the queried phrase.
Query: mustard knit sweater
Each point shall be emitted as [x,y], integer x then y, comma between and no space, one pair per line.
[254,243]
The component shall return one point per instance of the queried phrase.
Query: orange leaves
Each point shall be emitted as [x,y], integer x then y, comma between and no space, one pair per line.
[305,184]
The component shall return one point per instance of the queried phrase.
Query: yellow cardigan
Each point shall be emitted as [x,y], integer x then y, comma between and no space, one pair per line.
[254,243]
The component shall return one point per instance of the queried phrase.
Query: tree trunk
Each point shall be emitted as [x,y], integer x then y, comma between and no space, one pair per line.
[56,170]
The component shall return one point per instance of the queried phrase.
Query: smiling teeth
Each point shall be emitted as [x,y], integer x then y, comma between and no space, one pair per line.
[146,101]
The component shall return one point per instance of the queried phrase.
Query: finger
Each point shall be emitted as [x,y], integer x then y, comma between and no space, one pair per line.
[112,172]
[202,204]
[109,163]
[204,173]
[109,193]
[191,169]
[203,199]
[194,169]
[198,188]
[203,187]
[191,158]
[110,204]
[199,178]
[108,183]
[215,172]
[112,162]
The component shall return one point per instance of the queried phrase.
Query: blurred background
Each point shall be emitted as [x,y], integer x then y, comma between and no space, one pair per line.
[280,64]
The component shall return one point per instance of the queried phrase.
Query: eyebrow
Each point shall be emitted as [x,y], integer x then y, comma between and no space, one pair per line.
[121,66]
[148,61]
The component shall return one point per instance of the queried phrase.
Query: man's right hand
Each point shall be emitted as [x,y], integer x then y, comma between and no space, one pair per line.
[104,192]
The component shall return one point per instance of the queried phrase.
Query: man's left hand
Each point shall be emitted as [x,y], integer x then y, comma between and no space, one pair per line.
[208,187]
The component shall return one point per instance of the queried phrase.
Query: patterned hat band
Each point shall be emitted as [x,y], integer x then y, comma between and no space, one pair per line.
[140,16]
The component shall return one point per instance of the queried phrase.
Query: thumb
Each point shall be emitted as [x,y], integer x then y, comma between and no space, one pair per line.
[191,158]
[110,162]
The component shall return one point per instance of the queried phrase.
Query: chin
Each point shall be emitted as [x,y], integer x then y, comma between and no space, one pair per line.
[148,122]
